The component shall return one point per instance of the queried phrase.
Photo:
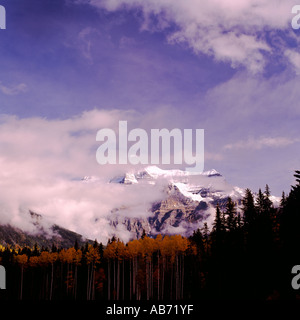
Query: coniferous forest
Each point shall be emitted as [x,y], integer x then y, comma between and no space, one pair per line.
[247,255]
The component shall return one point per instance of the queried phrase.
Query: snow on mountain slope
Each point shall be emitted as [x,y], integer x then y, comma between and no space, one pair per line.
[153,172]
[190,200]
[151,200]
[156,172]
[190,184]
[188,192]
[186,201]
[128,178]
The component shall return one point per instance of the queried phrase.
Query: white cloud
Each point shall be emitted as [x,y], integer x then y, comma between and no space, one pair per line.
[42,162]
[294,58]
[231,31]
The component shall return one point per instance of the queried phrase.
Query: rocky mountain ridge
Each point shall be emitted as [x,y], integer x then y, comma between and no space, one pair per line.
[190,200]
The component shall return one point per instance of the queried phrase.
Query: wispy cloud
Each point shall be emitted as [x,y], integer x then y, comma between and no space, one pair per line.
[262,142]
[85,38]
[294,59]
[14,89]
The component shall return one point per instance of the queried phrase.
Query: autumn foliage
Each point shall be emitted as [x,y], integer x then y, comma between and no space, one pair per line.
[140,269]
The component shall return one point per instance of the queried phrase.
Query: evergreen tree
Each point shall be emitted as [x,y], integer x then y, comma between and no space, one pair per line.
[250,214]
[283,200]
[95,245]
[260,202]
[267,204]
[143,234]
[290,219]
[218,226]
[230,214]
[218,231]
[54,248]
[76,245]
[239,221]
[35,250]
[101,249]
[263,203]
[205,233]
[197,238]
[267,191]
[297,176]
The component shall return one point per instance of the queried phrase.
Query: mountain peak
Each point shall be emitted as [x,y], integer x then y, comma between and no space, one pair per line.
[154,172]
[212,173]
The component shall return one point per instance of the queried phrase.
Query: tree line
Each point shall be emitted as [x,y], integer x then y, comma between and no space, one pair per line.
[248,253]
[141,269]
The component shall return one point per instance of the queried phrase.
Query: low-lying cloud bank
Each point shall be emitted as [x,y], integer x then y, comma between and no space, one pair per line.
[43,163]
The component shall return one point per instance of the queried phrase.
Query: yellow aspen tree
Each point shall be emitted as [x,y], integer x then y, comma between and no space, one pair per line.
[33,261]
[62,258]
[21,260]
[158,242]
[134,249]
[110,254]
[130,255]
[148,247]
[44,261]
[164,248]
[52,258]
[77,257]
[92,258]
[69,257]
[120,258]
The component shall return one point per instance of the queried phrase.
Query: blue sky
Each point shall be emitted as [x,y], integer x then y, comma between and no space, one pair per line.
[74,57]
[76,66]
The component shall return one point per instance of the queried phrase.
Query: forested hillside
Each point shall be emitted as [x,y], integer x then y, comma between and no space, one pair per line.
[244,256]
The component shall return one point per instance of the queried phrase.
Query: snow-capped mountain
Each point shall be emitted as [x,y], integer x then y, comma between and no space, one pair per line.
[151,200]
[194,186]
[189,200]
